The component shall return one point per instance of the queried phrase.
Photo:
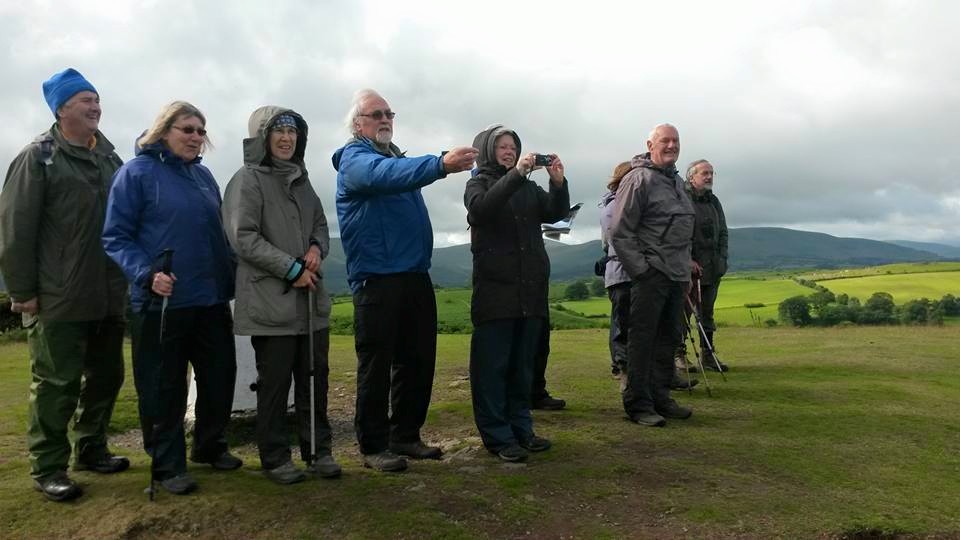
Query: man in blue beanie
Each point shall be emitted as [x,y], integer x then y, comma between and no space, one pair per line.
[70,293]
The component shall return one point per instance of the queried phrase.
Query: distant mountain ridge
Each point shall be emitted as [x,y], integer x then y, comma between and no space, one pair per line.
[751,248]
[944,250]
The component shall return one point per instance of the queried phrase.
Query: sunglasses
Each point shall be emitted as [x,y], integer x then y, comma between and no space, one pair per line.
[378,115]
[189,130]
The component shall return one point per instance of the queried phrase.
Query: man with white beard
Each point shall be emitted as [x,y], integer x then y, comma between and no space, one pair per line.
[388,241]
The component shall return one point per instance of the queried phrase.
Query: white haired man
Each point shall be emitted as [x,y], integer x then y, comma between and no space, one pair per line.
[388,240]
[651,232]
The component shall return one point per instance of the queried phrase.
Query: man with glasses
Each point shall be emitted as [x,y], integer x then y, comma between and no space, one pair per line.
[388,241]
[709,250]
[651,230]
[71,295]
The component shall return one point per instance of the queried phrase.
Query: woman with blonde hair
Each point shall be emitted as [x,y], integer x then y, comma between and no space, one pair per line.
[163,228]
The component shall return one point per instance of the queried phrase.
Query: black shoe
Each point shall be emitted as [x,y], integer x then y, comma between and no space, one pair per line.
[105,464]
[224,462]
[285,474]
[57,487]
[672,409]
[715,365]
[324,467]
[416,450]
[650,419]
[679,383]
[385,461]
[180,484]
[535,444]
[512,453]
[548,403]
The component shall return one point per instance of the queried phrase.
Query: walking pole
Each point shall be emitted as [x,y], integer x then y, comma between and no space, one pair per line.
[312,356]
[706,341]
[696,353]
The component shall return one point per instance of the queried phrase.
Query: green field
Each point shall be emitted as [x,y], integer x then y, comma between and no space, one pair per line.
[816,433]
[903,287]
[903,281]
[884,269]
[729,308]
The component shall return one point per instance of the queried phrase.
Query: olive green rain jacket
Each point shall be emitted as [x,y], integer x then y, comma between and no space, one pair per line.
[272,215]
[51,217]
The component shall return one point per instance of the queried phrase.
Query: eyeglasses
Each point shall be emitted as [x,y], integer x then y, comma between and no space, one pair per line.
[378,115]
[189,130]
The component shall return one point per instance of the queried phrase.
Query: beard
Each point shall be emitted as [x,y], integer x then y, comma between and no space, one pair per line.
[384,137]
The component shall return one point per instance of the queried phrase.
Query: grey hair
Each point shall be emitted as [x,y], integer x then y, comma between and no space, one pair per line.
[658,127]
[692,168]
[350,120]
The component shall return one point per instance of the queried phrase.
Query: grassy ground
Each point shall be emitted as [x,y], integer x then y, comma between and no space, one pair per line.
[816,433]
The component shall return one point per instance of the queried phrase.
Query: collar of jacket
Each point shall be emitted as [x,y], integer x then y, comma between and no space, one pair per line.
[394,150]
[706,196]
[496,171]
[165,155]
[103,146]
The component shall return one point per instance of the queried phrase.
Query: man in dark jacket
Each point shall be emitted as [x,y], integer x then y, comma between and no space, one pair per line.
[70,293]
[651,231]
[511,274]
[709,249]
[388,240]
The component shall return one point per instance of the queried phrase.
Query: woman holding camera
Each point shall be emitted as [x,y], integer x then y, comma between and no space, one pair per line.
[511,274]
[276,224]
[163,228]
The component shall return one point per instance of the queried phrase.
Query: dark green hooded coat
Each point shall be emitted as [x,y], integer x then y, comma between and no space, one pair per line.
[51,217]
[709,236]
[272,215]
[511,270]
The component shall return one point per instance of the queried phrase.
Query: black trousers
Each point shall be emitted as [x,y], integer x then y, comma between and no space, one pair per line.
[281,359]
[619,295]
[538,384]
[656,303]
[202,336]
[395,332]
[501,366]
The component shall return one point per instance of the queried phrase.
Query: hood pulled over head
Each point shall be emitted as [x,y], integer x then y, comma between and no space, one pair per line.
[256,148]
[485,142]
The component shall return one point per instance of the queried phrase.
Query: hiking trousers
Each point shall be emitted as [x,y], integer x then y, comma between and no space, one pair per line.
[77,372]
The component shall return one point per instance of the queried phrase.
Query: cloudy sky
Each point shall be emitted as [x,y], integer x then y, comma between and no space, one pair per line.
[836,117]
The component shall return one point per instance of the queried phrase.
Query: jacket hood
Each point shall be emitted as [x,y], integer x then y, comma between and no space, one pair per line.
[485,142]
[643,161]
[607,197]
[394,150]
[256,146]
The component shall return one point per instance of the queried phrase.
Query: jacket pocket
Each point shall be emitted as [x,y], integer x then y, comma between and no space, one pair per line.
[268,303]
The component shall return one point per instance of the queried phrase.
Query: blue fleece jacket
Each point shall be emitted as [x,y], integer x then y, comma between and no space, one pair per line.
[384,224]
[159,202]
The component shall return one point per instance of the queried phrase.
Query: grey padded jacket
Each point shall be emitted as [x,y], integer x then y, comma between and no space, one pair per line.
[273,215]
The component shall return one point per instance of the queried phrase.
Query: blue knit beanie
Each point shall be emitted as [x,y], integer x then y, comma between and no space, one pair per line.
[64,85]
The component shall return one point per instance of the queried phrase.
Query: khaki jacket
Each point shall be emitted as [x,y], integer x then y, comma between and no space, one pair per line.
[272,215]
